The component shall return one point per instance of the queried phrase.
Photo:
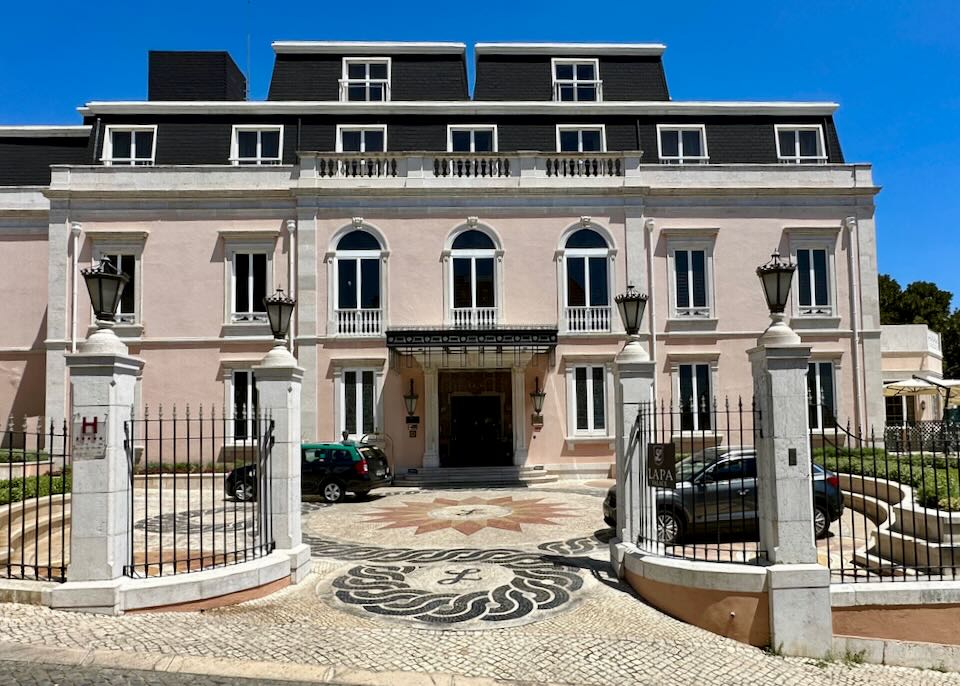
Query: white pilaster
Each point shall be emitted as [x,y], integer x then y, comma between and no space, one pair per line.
[517,376]
[431,392]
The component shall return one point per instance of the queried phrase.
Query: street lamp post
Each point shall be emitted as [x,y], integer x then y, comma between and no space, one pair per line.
[776,276]
[279,308]
[105,284]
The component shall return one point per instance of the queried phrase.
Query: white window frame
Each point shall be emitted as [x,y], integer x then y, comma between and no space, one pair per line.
[235,158]
[363,128]
[341,367]
[473,256]
[814,310]
[573,436]
[796,158]
[834,369]
[711,366]
[596,82]
[230,404]
[608,254]
[681,158]
[602,128]
[472,129]
[130,325]
[346,81]
[107,154]
[232,247]
[691,312]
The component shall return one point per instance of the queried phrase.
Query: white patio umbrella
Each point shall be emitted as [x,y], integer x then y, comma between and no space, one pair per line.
[913,386]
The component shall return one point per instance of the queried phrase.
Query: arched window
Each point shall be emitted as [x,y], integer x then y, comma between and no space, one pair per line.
[358,302]
[473,280]
[586,282]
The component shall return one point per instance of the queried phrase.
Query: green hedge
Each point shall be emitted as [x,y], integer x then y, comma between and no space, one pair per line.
[15,490]
[935,479]
[20,455]
[184,468]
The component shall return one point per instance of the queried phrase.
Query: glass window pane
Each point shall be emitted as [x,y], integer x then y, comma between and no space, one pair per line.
[270,144]
[121,141]
[370,284]
[378,70]
[483,141]
[460,141]
[808,143]
[564,71]
[599,420]
[569,141]
[356,70]
[585,72]
[128,265]
[686,397]
[143,142]
[803,277]
[820,276]
[376,92]
[691,144]
[473,240]
[246,144]
[683,282]
[826,390]
[910,402]
[591,140]
[367,402]
[350,402]
[703,396]
[586,238]
[346,284]
[485,287]
[813,399]
[356,93]
[373,141]
[787,144]
[566,93]
[670,143]
[241,302]
[894,407]
[599,294]
[350,140]
[699,263]
[462,292]
[259,282]
[240,408]
[586,93]
[576,281]
[580,383]
[358,240]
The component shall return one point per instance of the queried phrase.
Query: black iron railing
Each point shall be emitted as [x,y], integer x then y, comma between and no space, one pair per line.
[200,490]
[35,500]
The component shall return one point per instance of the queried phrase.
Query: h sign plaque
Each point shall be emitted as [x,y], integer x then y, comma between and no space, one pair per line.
[89,438]
[662,465]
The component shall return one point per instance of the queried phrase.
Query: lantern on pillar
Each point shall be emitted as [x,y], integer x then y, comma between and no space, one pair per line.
[537,396]
[776,277]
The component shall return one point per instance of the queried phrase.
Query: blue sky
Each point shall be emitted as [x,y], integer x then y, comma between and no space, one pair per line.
[894,67]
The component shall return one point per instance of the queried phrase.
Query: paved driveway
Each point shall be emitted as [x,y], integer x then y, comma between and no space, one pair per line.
[509,585]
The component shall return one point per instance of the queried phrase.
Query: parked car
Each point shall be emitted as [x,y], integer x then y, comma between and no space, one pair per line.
[326,469]
[717,487]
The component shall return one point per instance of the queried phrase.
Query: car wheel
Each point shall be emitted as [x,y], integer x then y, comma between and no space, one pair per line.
[821,522]
[669,527]
[243,491]
[332,492]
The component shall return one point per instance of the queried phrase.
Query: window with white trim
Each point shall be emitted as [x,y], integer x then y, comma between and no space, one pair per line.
[586,288]
[590,401]
[800,144]
[357,398]
[581,139]
[682,144]
[365,79]
[901,410]
[577,80]
[821,395]
[249,286]
[358,284]
[472,138]
[361,138]
[813,282]
[244,404]
[473,279]
[256,145]
[129,145]
[695,396]
[691,269]
[126,264]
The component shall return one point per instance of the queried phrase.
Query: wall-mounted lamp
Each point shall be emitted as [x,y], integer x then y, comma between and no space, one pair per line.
[410,401]
[537,396]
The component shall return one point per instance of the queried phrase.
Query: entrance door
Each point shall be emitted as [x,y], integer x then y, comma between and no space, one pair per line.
[476,431]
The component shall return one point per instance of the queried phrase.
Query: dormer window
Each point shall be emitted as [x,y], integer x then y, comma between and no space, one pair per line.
[129,145]
[256,145]
[365,79]
[682,144]
[800,144]
[577,80]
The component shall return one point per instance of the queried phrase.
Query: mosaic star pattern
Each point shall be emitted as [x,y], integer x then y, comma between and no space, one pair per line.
[470,515]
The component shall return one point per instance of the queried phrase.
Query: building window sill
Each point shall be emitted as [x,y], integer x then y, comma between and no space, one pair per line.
[808,321]
[246,330]
[573,441]
[691,324]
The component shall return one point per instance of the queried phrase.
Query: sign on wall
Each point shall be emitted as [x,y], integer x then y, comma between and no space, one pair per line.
[89,438]
[662,465]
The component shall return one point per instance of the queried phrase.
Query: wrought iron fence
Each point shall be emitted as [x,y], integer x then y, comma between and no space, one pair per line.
[711,511]
[200,490]
[35,500]
[901,507]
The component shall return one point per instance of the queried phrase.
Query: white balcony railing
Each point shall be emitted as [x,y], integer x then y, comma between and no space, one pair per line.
[359,322]
[578,91]
[473,317]
[591,319]
[373,90]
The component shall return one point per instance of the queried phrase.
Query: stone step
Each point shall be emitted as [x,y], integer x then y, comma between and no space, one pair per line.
[476,477]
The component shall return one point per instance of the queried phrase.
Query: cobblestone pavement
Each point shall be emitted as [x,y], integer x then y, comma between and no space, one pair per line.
[29,674]
[478,602]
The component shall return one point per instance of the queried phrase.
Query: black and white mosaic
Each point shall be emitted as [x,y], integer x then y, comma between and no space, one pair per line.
[582,545]
[459,588]
[235,517]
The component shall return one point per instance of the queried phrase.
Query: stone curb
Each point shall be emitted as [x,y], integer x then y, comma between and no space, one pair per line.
[251,670]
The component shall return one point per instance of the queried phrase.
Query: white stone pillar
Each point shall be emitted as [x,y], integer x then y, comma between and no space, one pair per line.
[633,379]
[518,378]
[431,419]
[279,381]
[798,588]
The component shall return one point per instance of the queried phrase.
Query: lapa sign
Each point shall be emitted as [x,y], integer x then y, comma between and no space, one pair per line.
[662,465]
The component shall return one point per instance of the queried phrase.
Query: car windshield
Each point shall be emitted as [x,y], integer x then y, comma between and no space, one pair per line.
[372,451]
[690,467]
